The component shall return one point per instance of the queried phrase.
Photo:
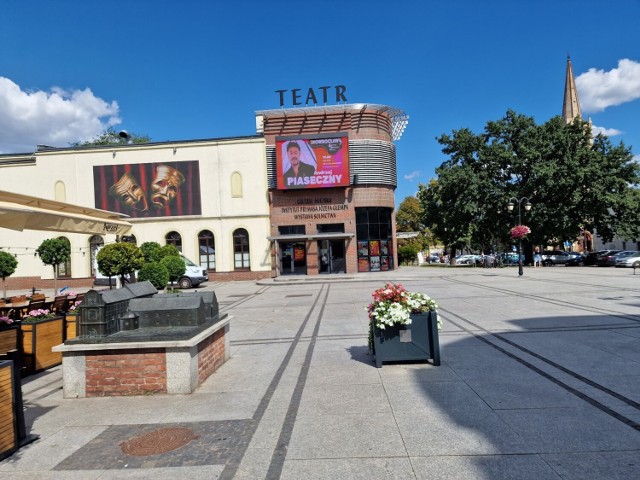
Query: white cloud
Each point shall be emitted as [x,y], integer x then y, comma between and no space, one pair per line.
[54,118]
[413,175]
[599,89]
[609,132]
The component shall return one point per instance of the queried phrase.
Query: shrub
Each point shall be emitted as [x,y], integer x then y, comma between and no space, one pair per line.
[151,251]
[407,254]
[175,266]
[156,273]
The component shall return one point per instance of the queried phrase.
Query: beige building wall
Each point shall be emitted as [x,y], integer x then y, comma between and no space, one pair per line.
[233,179]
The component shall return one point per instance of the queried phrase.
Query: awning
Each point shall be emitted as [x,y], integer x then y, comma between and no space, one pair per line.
[315,236]
[23,212]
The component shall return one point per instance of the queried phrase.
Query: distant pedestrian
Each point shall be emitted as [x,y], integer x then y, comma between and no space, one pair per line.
[537,258]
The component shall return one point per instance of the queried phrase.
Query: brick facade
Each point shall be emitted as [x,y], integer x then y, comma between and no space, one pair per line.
[211,355]
[91,371]
[312,207]
[126,372]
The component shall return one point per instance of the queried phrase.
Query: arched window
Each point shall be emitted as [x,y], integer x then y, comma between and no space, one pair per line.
[95,242]
[236,184]
[174,238]
[207,250]
[64,269]
[129,239]
[241,249]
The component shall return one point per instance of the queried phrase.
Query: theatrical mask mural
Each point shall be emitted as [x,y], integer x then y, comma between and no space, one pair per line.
[148,189]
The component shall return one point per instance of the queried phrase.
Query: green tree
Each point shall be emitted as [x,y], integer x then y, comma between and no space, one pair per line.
[119,259]
[8,265]
[156,273]
[111,137]
[169,251]
[54,251]
[409,216]
[151,251]
[175,267]
[572,180]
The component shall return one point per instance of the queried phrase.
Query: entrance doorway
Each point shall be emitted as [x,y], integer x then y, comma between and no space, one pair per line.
[331,256]
[293,258]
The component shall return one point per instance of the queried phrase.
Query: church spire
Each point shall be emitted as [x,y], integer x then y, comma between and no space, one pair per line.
[571,103]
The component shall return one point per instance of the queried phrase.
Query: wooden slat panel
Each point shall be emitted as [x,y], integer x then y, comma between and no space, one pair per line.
[8,340]
[7,427]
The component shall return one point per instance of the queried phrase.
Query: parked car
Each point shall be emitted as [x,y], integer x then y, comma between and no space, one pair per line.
[468,259]
[554,257]
[632,260]
[510,258]
[591,258]
[608,259]
[575,259]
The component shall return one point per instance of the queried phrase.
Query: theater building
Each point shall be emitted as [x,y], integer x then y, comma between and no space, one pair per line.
[312,192]
[206,197]
[331,174]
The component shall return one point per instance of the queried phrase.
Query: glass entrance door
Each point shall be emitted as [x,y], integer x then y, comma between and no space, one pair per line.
[293,258]
[331,256]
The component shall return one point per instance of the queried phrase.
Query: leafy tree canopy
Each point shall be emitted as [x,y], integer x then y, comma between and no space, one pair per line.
[54,251]
[119,259]
[156,273]
[572,181]
[175,267]
[151,251]
[8,264]
[110,137]
[409,216]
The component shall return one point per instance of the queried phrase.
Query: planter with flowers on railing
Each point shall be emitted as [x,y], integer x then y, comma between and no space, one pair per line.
[41,331]
[403,326]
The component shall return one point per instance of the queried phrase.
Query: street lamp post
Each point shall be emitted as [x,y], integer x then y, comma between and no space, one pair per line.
[527,207]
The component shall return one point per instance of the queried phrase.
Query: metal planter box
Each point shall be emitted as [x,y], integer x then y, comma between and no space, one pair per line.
[416,341]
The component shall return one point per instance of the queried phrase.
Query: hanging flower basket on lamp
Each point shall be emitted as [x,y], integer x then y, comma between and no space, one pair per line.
[519,232]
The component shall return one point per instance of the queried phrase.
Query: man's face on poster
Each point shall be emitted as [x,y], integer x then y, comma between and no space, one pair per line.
[293,153]
[129,193]
[165,186]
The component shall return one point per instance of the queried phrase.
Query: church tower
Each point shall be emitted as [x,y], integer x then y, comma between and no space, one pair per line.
[571,103]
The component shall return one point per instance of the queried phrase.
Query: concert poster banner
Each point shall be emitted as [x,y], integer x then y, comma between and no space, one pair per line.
[148,190]
[312,161]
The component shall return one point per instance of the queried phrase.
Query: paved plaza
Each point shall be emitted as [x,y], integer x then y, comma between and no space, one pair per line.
[540,379]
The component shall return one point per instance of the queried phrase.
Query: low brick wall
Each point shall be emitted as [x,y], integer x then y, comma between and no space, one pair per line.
[142,368]
[126,372]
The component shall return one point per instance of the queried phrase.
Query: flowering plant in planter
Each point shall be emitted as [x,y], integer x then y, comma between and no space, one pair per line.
[519,232]
[74,306]
[39,314]
[393,305]
[5,320]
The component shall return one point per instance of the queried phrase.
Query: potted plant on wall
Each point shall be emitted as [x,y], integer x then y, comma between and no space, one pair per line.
[403,325]
[41,331]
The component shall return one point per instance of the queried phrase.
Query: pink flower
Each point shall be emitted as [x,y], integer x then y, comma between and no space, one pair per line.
[519,231]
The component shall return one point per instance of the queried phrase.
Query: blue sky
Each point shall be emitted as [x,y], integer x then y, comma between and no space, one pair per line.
[200,69]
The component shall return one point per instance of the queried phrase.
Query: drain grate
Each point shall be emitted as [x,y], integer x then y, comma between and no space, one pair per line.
[158,441]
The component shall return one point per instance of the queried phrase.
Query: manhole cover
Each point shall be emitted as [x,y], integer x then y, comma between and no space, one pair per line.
[158,441]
